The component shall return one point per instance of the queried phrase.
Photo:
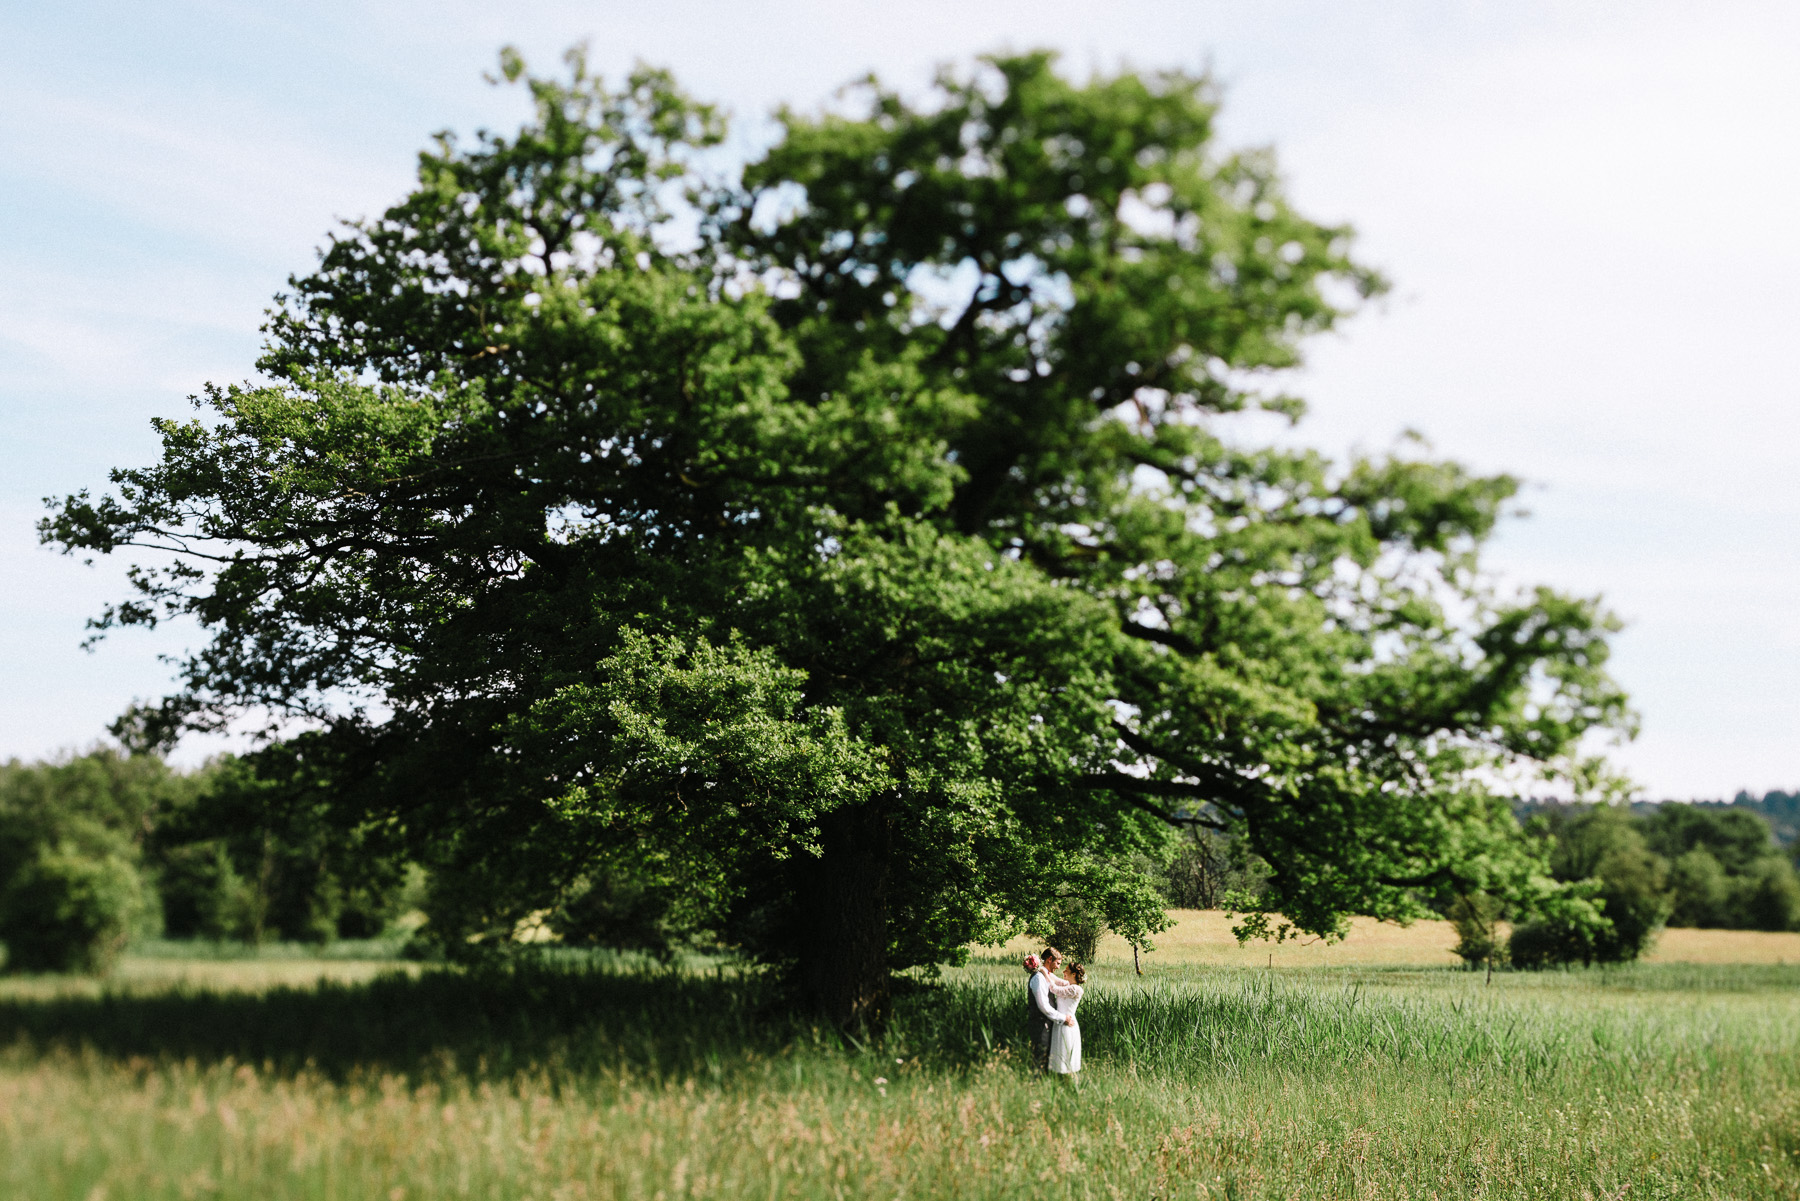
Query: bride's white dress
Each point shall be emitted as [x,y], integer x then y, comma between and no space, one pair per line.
[1065,1041]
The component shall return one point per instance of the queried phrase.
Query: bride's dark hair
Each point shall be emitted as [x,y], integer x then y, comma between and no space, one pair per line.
[1078,973]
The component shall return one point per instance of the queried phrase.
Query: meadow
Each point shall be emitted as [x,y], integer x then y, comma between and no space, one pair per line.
[1366,1076]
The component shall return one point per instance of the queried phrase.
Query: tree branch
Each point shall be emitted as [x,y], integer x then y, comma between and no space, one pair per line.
[1135,788]
[1168,638]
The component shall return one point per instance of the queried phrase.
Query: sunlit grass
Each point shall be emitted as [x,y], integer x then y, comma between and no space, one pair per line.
[73,1124]
[571,1080]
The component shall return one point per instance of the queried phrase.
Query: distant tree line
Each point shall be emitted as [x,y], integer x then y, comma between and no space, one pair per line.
[1780,809]
[1628,870]
[100,848]
[1721,866]
[1640,867]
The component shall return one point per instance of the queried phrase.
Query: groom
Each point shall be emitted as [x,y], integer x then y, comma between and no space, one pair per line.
[1040,1010]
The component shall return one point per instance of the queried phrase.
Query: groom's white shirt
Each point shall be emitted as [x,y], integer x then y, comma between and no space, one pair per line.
[1040,989]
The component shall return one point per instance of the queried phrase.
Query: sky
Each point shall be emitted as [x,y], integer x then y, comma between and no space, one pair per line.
[1587,210]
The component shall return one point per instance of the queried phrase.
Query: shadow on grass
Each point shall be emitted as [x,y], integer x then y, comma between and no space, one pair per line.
[567,1020]
[485,1023]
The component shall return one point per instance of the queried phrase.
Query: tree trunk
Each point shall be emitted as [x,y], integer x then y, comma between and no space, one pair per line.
[844,900]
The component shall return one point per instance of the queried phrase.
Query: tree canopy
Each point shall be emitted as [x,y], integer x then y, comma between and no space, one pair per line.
[855,554]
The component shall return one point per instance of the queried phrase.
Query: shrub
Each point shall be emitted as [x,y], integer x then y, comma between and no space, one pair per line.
[260,850]
[1769,895]
[366,911]
[1728,871]
[629,910]
[1569,927]
[1545,942]
[69,912]
[70,891]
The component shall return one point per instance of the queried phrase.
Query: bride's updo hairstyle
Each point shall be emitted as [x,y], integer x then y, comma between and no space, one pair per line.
[1078,973]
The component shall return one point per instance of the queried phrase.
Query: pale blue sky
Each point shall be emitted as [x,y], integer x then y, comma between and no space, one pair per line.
[1588,210]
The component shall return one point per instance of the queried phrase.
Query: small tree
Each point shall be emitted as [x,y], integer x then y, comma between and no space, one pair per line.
[1074,928]
[262,848]
[204,896]
[1614,896]
[1476,918]
[1604,844]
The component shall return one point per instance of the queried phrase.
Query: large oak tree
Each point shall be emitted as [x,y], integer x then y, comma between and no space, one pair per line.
[857,553]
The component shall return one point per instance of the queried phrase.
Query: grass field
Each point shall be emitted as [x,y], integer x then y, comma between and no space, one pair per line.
[1372,1075]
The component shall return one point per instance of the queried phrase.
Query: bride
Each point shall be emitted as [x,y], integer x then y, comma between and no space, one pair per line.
[1065,1038]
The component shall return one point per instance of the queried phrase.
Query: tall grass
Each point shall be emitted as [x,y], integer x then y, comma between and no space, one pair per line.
[595,1081]
[581,1019]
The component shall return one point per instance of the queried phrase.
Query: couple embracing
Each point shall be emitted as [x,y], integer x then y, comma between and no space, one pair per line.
[1051,1003]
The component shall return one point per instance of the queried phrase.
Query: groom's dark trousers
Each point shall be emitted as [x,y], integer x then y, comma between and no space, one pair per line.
[1039,1025]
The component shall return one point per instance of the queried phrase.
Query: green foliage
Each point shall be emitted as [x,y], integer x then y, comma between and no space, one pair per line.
[622,906]
[1476,918]
[853,559]
[265,847]
[1073,927]
[1618,892]
[1601,847]
[1703,892]
[90,801]
[1726,870]
[246,849]
[71,835]
[203,896]
[1634,893]
[1733,837]
[1780,809]
[1569,927]
[69,911]
[1769,896]
[1709,865]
